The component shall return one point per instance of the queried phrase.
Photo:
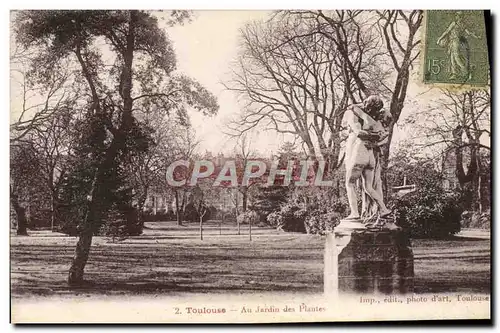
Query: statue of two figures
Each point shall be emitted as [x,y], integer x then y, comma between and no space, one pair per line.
[367,124]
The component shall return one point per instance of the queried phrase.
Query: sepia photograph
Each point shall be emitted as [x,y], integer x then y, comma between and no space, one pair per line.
[249,166]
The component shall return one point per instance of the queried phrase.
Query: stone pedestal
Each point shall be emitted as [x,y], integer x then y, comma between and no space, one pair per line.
[366,261]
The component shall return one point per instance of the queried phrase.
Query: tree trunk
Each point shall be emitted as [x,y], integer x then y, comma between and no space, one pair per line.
[52,211]
[244,198]
[480,194]
[141,201]
[98,203]
[220,223]
[237,220]
[53,194]
[250,229]
[140,207]
[94,213]
[459,167]
[75,277]
[22,220]
[237,210]
[183,205]
[475,181]
[384,163]
[177,209]
[201,227]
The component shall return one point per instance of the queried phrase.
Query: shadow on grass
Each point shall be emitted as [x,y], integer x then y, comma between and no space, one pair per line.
[425,285]
[283,264]
[155,288]
[461,239]
[171,287]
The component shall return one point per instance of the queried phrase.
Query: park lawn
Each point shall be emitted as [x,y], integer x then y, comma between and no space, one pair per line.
[169,259]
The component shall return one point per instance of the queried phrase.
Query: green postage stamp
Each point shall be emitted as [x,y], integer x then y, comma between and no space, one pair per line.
[455,48]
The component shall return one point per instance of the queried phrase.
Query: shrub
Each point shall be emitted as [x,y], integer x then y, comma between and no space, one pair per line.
[211,213]
[289,218]
[430,211]
[219,213]
[162,214]
[121,219]
[476,220]
[190,214]
[269,199]
[426,215]
[39,218]
[69,216]
[121,223]
[248,217]
[321,222]
[326,210]
[274,219]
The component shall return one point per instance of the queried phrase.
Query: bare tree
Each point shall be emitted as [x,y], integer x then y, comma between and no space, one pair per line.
[184,149]
[204,196]
[148,169]
[52,142]
[289,62]
[398,29]
[299,71]
[38,103]
[243,154]
[24,182]
[235,199]
[199,202]
[459,124]
[290,80]
[40,122]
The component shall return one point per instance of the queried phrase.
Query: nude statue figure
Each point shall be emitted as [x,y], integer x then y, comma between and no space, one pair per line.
[366,135]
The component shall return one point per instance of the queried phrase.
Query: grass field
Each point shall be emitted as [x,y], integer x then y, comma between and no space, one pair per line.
[168,259]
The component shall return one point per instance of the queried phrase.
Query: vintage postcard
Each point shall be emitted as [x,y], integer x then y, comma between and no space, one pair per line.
[173,166]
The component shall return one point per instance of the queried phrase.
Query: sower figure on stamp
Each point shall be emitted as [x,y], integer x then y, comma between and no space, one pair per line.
[366,135]
[454,38]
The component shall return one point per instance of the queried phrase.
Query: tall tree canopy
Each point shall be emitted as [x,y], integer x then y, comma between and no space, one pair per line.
[124,67]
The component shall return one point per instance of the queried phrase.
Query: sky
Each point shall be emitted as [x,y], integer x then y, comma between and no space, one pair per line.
[205,48]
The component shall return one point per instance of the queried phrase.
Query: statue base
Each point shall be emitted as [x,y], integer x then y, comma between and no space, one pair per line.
[349,225]
[367,261]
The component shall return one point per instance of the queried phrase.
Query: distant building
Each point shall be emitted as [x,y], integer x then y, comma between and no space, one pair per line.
[157,202]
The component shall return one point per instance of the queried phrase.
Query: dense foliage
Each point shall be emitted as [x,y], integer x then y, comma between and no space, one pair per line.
[248,217]
[431,211]
[268,199]
[476,220]
[289,218]
[116,204]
